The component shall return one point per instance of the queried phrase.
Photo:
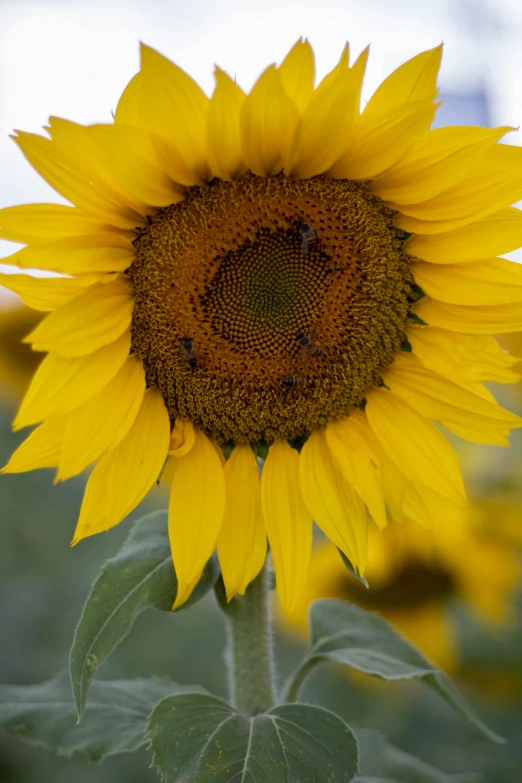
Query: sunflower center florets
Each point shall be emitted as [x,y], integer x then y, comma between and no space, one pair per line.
[266,307]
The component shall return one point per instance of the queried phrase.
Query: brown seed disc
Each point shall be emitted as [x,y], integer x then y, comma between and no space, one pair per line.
[266,307]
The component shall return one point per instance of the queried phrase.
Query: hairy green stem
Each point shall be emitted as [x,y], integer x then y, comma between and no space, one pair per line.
[250,653]
[297,679]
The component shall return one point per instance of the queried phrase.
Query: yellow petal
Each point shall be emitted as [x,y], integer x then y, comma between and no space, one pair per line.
[136,164]
[415,80]
[440,159]
[196,508]
[29,222]
[356,462]
[465,358]
[325,129]
[61,384]
[129,110]
[77,255]
[439,399]
[40,450]
[333,503]
[479,319]
[268,121]
[103,421]
[495,182]
[224,131]
[45,293]
[94,319]
[493,235]
[414,445]
[66,174]
[123,477]
[242,538]
[491,282]
[297,73]
[175,108]
[380,145]
[182,438]
[287,521]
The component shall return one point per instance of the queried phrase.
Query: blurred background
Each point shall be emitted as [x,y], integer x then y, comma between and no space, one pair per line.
[456,593]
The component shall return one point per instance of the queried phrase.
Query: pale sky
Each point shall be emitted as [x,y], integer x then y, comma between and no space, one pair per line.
[72,58]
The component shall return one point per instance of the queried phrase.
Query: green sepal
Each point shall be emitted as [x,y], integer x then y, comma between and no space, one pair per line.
[141,576]
[344,633]
[114,722]
[354,572]
[406,346]
[414,319]
[202,739]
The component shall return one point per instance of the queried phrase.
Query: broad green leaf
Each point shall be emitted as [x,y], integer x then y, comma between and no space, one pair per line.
[139,577]
[114,722]
[201,739]
[381,762]
[345,633]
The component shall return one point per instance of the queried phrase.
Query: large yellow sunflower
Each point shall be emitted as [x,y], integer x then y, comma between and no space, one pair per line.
[275,273]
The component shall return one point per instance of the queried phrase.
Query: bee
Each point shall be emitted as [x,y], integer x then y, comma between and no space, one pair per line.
[187,346]
[294,382]
[307,235]
[311,348]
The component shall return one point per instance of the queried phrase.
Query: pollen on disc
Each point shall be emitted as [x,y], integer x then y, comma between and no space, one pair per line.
[229,281]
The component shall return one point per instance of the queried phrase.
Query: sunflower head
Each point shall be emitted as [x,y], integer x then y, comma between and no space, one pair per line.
[284,274]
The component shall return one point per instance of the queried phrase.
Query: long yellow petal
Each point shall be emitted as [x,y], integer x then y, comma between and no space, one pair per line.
[242,538]
[175,108]
[45,293]
[416,447]
[77,255]
[479,319]
[325,129]
[494,183]
[465,358]
[492,282]
[62,384]
[129,110]
[356,462]
[415,80]
[288,523]
[380,145]
[297,73]
[333,504]
[268,121]
[123,477]
[103,421]
[93,319]
[441,159]
[29,222]
[66,174]
[493,235]
[224,128]
[196,509]
[136,164]
[40,450]
[442,400]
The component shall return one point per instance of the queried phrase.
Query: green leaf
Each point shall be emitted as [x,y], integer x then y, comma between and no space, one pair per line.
[201,739]
[139,577]
[384,763]
[115,719]
[345,633]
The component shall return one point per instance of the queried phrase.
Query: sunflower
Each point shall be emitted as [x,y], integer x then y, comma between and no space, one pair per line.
[273,276]
[416,575]
[17,361]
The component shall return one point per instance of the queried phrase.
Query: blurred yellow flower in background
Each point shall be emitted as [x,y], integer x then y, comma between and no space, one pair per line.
[414,575]
[17,360]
